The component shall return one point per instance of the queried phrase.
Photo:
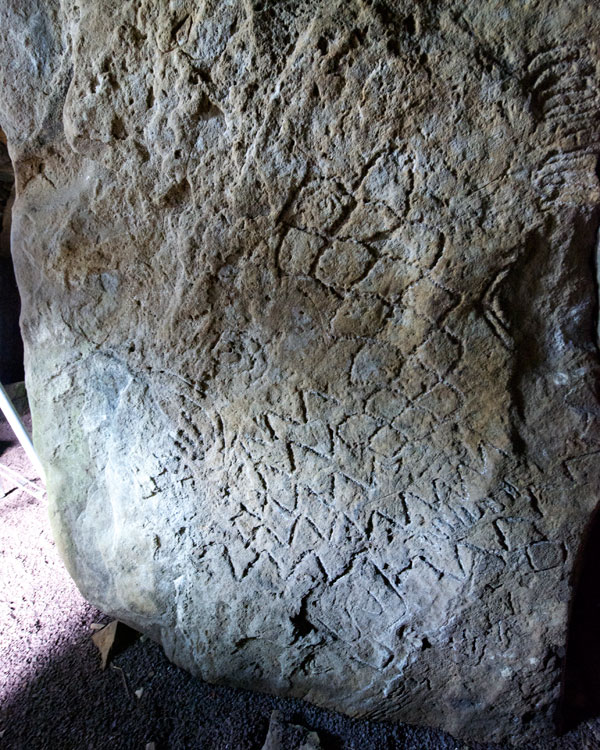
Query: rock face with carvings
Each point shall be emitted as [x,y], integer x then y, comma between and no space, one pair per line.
[309,309]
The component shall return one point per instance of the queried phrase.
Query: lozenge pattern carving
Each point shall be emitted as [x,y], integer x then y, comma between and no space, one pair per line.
[309,290]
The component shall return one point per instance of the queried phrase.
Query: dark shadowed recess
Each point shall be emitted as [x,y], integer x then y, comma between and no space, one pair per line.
[11,346]
[581,685]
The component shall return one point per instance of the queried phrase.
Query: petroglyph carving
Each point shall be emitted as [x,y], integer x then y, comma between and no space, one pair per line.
[308,288]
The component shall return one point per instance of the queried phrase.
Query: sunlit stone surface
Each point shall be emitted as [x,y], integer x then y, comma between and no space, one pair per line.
[309,308]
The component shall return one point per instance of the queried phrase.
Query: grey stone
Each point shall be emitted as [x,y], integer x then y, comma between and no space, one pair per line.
[284,736]
[309,312]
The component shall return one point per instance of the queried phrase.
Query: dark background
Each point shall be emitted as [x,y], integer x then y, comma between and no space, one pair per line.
[11,346]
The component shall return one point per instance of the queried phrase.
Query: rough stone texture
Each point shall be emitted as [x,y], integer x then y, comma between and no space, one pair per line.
[285,736]
[309,310]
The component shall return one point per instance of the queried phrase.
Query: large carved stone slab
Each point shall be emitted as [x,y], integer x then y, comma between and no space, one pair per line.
[309,306]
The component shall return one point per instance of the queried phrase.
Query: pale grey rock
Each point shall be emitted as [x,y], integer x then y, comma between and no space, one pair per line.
[310,310]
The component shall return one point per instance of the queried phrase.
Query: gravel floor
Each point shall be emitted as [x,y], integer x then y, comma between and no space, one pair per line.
[54,695]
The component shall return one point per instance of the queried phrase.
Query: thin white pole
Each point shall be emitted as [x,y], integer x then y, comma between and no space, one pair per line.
[22,482]
[18,427]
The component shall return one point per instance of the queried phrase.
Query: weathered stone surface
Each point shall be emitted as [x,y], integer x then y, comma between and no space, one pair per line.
[309,308]
[284,736]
